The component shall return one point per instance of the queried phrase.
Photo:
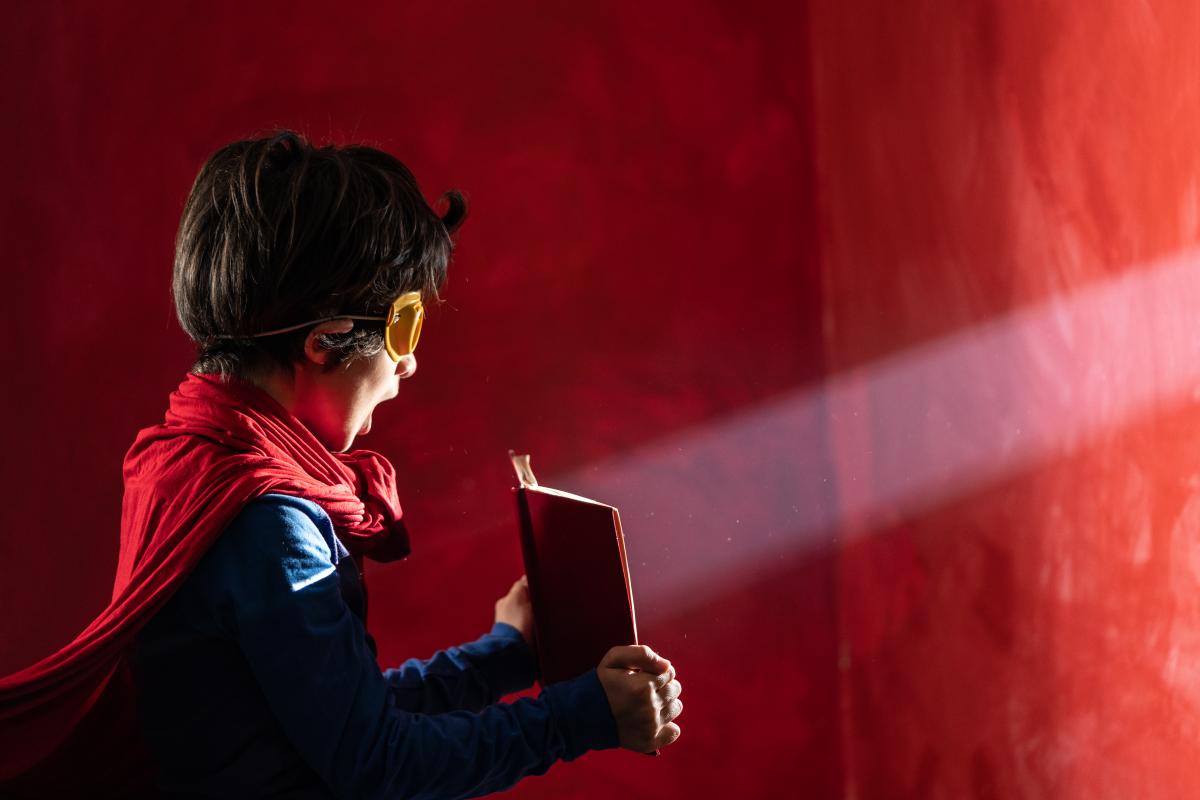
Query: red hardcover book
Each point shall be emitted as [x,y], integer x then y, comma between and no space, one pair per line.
[578,577]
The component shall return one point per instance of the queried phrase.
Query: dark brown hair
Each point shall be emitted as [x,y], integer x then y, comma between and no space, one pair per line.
[277,232]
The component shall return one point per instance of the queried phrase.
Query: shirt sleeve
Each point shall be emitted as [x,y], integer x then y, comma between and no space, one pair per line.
[309,654]
[468,677]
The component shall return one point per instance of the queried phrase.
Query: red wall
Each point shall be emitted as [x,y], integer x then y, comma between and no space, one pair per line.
[873,318]
[1008,202]
[637,264]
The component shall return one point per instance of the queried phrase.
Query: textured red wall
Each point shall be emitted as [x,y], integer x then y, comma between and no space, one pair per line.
[1008,196]
[637,276]
[875,320]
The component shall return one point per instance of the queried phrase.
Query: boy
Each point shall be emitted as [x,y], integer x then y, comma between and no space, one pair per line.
[239,612]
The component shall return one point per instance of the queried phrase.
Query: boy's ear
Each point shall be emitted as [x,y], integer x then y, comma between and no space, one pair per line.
[313,350]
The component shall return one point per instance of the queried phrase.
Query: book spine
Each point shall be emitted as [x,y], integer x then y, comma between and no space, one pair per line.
[533,574]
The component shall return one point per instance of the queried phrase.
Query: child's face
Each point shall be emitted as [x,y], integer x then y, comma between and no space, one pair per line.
[354,392]
[337,405]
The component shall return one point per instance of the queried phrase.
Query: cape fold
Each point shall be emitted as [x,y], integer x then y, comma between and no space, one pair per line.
[72,715]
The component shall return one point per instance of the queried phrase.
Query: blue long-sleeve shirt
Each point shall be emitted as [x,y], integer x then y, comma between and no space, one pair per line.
[258,679]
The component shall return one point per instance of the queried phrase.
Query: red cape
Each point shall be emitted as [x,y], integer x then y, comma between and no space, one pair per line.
[72,715]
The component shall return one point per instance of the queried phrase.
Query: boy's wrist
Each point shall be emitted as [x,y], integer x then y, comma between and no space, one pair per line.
[514,667]
[582,713]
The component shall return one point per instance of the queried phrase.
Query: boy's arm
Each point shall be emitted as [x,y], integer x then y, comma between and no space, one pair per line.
[311,659]
[468,677]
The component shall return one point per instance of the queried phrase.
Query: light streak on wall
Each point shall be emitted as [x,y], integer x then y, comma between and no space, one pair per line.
[714,505]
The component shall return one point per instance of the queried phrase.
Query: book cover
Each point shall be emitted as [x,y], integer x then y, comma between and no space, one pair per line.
[578,573]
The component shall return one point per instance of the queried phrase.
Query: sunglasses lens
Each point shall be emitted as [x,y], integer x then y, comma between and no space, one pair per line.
[402,334]
[416,330]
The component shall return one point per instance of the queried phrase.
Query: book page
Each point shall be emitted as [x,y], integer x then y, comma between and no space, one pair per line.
[568,495]
[528,482]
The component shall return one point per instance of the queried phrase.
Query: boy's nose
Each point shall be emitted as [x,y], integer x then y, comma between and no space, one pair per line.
[406,366]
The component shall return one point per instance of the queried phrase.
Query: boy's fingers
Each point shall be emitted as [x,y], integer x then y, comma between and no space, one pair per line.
[665,678]
[672,710]
[667,735]
[636,656]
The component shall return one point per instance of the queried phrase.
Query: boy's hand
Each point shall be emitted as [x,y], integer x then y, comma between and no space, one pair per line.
[514,608]
[643,695]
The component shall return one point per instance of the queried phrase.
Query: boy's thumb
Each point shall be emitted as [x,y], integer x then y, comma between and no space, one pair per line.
[635,656]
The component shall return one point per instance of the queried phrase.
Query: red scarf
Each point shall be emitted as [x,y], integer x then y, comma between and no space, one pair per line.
[221,446]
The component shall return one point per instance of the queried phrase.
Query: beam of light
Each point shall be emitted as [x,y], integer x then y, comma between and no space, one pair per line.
[714,505]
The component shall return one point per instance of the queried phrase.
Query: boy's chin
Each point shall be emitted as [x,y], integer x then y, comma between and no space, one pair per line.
[351,436]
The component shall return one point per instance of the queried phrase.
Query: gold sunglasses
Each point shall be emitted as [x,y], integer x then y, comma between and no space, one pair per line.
[402,325]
